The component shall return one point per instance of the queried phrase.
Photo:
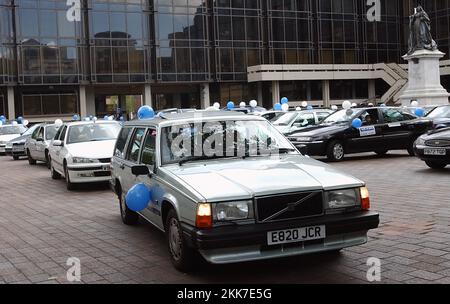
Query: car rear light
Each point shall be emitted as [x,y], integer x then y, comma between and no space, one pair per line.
[204,216]
[365,198]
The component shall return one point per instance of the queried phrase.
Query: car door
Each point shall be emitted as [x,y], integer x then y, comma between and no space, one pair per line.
[396,131]
[132,158]
[40,145]
[148,158]
[369,137]
[31,146]
[60,152]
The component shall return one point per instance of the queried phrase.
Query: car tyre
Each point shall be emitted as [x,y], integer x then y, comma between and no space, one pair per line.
[335,151]
[182,256]
[435,164]
[31,161]
[128,216]
[69,184]
[47,159]
[410,148]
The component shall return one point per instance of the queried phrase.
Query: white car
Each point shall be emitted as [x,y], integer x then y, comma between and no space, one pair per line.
[9,132]
[82,151]
[37,145]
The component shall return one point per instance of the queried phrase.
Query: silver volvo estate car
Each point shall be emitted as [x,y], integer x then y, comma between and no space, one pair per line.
[231,188]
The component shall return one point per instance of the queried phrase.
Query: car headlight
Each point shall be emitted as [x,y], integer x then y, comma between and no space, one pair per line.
[81,160]
[232,211]
[304,139]
[420,141]
[9,145]
[342,199]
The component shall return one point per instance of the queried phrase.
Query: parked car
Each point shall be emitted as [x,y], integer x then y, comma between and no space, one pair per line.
[297,120]
[37,145]
[247,110]
[9,132]
[383,129]
[271,115]
[82,151]
[434,148]
[16,147]
[440,116]
[233,208]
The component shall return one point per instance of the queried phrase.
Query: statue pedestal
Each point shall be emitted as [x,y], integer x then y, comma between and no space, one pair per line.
[424,83]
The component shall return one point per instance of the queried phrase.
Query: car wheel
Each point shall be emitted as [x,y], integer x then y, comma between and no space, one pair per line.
[15,157]
[128,216]
[55,175]
[31,161]
[381,152]
[410,148]
[436,165]
[182,256]
[47,159]
[69,184]
[335,151]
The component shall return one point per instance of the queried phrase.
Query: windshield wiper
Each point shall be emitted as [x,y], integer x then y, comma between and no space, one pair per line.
[196,158]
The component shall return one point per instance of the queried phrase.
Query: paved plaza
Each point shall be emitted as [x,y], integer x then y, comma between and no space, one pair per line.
[42,225]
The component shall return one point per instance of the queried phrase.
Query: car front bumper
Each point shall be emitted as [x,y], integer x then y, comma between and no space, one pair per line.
[241,243]
[3,149]
[420,153]
[318,148]
[18,150]
[89,173]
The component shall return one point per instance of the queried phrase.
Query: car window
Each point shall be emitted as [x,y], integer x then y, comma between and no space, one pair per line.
[393,115]
[40,134]
[50,132]
[322,115]
[305,119]
[370,117]
[121,141]
[36,133]
[148,152]
[135,146]
[93,132]
[62,137]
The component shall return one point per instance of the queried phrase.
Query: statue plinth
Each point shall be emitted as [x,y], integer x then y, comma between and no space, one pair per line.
[424,83]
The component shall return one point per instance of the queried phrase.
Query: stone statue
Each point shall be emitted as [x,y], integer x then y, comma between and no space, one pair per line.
[420,32]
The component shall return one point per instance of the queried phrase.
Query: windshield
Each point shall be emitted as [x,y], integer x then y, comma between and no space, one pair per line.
[340,116]
[31,130]
[286,119]
[440,112]
[93,132]
[50,132]
[9,130]
[221,139]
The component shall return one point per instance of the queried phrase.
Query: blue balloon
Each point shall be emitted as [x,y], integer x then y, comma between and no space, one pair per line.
[420,112]
[19,119]
[2,117]
[356,123]
[76,117]
[383,105]
[146,112]
[138,197]
[230,105]
[121,118]
[277,107]
[309,107]
[284,100]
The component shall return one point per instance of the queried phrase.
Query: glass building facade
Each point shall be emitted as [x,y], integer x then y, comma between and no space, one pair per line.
[122,52]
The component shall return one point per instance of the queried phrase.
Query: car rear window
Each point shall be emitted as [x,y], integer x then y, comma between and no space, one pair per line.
[121,142]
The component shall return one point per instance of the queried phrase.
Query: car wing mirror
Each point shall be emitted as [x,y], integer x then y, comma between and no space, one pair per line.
[140,170]
[57,143]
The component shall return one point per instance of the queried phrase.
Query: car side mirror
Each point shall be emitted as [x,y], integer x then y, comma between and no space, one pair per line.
[140,170]
[58,143]
[40,139]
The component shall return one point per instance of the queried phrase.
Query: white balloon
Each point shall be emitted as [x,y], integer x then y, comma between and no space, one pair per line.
[253,103]
[370,104]
[354,105]
[304,104]
[25,122]
[285,107]
[111,118]
[211,109]
[334,107]
[298,109]
[216,105]
[346,105]
[14,123]
[414,103]
[95,119]
[242,105]
[58,123]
